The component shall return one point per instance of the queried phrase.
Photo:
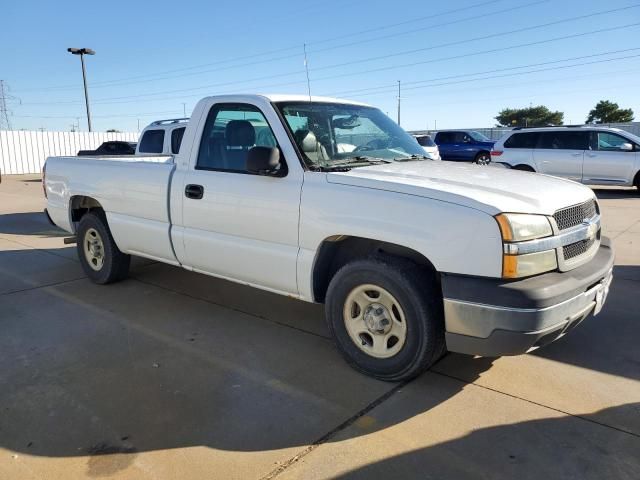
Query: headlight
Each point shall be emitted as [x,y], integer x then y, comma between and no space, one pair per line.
[517,227]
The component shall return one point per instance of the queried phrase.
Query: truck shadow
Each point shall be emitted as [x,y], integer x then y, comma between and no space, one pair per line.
[29,223]
[561,447]
[108,372]
[172,359]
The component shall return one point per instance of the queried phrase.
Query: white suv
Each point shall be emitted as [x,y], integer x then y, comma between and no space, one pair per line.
[591,155]
[162,137]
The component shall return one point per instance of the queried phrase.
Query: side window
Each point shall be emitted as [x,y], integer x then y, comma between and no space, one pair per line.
[564,140]
[610,142]
[522,140]
[176,139]
[460,137]
[230,132]
[152,141]
[444,137]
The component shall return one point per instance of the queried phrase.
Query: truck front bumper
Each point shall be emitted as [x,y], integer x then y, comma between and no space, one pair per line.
[495,317]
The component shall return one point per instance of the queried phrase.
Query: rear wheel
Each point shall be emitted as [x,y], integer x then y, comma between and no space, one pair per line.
[636,181]
[99,255]
[385,316]
[483,158]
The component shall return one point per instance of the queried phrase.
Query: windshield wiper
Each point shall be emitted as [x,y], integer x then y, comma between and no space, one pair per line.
[352,162]
[412,157]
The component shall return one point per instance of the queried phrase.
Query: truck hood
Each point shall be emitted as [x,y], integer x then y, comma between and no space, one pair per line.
[491,189]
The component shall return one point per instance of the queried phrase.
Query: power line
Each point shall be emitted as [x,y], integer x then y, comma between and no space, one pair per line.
[513,74]
[493,50]
[262,54]
[449,77]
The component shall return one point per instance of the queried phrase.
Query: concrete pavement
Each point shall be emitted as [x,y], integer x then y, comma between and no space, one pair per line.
[175,375]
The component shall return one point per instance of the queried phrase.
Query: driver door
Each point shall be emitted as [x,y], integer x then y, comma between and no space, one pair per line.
[235,224]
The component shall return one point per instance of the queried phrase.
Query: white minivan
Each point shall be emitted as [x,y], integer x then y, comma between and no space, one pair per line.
[590,154]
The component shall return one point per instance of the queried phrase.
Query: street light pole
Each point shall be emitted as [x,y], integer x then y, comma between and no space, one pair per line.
[82,52]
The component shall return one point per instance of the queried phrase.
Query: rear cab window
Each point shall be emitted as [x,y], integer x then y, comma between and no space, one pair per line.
[176,139]
[152,141]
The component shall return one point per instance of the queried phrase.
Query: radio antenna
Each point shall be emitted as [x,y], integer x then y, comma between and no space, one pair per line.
[306,69]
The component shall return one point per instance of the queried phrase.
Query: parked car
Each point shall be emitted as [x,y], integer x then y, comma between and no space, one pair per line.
[410,257]
[162,137]
[429,146]
[464,146]
[112,147]
[590,154]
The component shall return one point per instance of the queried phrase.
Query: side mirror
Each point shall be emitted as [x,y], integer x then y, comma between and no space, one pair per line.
[626,147]
[263,161]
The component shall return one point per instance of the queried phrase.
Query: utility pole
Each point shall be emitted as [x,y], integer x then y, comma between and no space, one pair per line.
[82,52]
[184,109]
[4,113]
[398,102]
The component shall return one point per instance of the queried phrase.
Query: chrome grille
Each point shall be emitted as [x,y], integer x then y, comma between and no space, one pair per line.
[576,249]
[575,215]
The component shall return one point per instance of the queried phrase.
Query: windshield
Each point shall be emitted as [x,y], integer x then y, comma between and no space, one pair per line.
[330,134]
[478,137]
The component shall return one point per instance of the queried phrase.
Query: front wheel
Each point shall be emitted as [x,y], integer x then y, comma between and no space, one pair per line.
[386,318]
[483,158]
[99,255]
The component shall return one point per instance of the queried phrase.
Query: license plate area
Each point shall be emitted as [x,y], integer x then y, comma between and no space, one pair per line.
[602,293]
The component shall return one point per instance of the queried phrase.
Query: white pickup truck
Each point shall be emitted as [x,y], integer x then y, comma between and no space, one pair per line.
[330,201]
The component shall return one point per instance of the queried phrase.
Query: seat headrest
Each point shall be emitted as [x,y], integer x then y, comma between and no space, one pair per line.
[240,133]
[306,140]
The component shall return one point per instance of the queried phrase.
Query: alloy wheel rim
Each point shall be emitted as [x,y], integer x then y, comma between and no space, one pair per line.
[375,321]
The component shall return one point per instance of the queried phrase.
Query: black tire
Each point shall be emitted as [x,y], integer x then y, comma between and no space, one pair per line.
[115,264]
[524,168]
[482,158]
[636,181]
[418,294]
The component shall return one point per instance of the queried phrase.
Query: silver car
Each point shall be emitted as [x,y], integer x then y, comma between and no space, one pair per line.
[590,154]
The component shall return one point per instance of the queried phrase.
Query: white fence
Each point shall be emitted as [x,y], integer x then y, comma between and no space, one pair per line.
[25,152]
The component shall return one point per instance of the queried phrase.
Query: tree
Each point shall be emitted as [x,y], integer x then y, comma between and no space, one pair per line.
[113,130]
[609,112]
[539,116]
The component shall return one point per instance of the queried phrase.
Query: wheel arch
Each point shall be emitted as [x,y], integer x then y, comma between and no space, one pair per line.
[80,205]
[524,167]
[337,250]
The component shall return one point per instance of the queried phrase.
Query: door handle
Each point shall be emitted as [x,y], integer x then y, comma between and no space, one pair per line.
[196,192]
[591,155]
[576,154]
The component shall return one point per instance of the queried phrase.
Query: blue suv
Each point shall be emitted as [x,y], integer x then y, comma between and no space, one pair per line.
[464,146]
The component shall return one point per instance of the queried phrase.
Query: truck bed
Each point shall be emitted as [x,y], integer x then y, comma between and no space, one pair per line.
[132,190]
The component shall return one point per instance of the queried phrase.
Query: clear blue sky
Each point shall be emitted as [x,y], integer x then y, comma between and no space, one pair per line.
[153,56]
